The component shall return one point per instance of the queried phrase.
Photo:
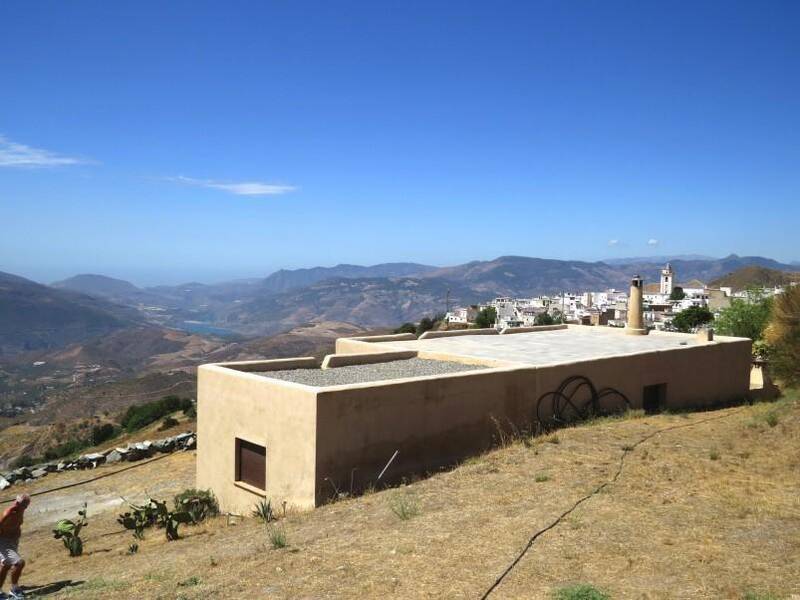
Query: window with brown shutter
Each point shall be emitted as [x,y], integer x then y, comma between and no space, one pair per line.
[251,464]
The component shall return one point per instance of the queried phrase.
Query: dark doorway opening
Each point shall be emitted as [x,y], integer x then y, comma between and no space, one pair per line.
[654,398]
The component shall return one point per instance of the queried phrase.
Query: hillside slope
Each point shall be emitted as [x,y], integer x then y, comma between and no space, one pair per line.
[289,279]
[34,316]
[96,285]
[754,276]
[374,302]
[523,276]
[102,286]
[701,505]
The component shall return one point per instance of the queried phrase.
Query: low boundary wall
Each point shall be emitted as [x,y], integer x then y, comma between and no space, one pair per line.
[367,358]
[276,364]
[535,328]
[430,335]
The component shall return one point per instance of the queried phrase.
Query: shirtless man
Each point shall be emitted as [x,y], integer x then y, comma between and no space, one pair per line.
[10,532]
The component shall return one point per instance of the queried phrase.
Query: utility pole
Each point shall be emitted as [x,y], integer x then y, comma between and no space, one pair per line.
[447,302]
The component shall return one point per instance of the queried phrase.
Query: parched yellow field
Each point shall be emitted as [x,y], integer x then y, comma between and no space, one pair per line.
[704,505]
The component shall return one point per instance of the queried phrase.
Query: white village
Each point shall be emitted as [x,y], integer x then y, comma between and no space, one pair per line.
[662,302]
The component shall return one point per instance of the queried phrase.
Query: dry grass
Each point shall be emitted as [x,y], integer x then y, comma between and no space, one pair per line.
[675,524]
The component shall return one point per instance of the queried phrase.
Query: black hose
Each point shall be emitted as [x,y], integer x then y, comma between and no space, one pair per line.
[597,490]
[563,398]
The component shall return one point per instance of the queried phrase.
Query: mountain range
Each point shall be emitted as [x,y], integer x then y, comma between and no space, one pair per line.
[36,317]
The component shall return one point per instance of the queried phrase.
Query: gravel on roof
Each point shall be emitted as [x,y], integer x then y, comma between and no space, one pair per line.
[396,369]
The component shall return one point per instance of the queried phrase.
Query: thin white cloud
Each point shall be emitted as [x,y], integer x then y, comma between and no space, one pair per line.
[242,188]
[13,154]
[613,242]
[652,242]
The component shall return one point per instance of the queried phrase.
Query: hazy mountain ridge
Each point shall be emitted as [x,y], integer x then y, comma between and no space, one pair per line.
[255,307]
[96,285]
[523,276]
[35,316]
[285,279]
[655,259]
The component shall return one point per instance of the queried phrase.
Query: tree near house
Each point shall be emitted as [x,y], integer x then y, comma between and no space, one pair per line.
[691,318]
[745,317]
[425,324]
[783,336]
[544,319]
[486,318]
[406,328]
[677,293]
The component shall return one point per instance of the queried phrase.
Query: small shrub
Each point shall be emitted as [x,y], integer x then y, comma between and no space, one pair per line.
[552,439]
[771,418]
[133,548]
[403,506]
[714,455]
[406,328]
[277,537]
[263,511]
[191,582]
[580,592]
[783,336]
[628,447]
[541,477]
[69,532]
[23,461]
[168,423]
[103,433]
[200,504]
[68,448]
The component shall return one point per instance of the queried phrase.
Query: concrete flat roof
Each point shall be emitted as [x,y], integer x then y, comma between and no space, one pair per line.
[574,344]
[367,373]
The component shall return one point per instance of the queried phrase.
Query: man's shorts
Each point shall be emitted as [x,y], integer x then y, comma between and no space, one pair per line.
[9,552]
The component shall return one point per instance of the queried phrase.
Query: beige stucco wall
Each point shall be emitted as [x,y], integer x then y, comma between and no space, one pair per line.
[436,421]
[431,421]
[277,415]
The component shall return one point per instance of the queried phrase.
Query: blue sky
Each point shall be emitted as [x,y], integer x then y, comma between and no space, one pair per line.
[175,141]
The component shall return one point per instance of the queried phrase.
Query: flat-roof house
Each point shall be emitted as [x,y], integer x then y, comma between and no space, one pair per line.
[386,407]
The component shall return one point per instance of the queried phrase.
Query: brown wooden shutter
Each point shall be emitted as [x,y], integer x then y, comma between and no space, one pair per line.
[251,464]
